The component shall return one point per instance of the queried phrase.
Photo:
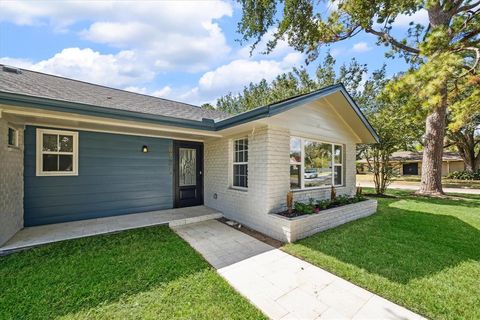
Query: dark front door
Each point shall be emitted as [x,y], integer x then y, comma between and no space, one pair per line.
[188,173]
[410,169]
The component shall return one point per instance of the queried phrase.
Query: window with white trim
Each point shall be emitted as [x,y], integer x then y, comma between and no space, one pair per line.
[12,137]
[315,164]
[240,163]
[57,153]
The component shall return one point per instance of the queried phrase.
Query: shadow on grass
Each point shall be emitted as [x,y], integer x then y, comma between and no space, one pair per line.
[68,277]
[399,244]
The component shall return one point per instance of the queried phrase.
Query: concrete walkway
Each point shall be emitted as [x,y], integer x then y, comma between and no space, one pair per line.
[282,286]
[414,187]
[35,236]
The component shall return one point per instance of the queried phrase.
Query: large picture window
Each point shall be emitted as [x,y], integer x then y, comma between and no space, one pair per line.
[315,164]
[57,153]
[240,163]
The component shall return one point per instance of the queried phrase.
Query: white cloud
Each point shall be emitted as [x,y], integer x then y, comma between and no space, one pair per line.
[232,77]
[121,69]
[141,90]
[404,20]
[361,47]
[164,92]
[174,34]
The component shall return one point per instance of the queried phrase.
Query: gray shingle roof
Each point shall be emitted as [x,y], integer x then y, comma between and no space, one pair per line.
[43,85]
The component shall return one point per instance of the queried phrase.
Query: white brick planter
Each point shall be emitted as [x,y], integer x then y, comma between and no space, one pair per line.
[303,226]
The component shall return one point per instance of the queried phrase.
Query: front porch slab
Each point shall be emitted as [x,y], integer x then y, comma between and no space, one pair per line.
[39,235]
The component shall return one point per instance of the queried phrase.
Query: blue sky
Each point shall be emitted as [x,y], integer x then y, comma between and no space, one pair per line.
[183,51]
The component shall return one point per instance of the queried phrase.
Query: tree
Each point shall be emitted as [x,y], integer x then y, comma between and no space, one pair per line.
[467,142]
[441,53]
[207,106]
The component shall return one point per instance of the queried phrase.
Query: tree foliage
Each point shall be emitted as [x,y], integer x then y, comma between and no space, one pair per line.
[297,82]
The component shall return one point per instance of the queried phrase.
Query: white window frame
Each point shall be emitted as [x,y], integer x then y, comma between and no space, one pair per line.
[302,163]
[40,153]
[15,132]
[233,186]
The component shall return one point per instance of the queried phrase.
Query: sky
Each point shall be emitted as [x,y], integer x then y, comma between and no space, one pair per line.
[179,50]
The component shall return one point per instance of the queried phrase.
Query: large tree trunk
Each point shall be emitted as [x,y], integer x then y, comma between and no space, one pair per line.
[431,183]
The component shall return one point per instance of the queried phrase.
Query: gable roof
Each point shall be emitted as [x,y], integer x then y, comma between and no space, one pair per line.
[290,103]
[41,85]
[27,88]
[418,156]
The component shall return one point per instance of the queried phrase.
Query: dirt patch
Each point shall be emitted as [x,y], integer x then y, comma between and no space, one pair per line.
[253,233]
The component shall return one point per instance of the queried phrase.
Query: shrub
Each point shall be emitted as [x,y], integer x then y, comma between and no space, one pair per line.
[316,206]
[464,175]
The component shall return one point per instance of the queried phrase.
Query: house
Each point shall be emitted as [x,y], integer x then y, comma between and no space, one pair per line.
[71,150]
[409,163]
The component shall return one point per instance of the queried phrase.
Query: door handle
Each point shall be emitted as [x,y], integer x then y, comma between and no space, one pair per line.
[200,172]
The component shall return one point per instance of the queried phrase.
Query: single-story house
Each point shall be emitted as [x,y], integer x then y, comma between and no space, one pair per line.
[409,163]
[71,150]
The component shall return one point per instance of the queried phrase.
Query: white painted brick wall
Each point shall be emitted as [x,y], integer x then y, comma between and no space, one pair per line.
[268,176]
[11,184]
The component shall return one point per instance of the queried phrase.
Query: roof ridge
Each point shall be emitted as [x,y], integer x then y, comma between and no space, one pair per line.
[103,86]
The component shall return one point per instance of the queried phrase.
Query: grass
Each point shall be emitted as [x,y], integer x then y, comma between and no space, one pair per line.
[418,252]
[140,274]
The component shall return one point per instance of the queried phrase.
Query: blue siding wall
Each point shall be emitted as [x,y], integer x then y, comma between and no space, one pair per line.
[114,178]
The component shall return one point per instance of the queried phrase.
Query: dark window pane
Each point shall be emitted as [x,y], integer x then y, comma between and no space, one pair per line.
[66,163]
[11,137]
[50,162]
[338,175]
[235,180]
[318,164]
[66,143]
[338,154]
[294,177]
[50,142]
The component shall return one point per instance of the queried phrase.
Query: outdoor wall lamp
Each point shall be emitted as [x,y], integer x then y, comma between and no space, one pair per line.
[145,149]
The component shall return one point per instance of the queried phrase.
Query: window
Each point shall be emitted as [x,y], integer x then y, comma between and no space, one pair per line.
[315,164]
[57,153]
[240,163]
[337,165]
[12,137]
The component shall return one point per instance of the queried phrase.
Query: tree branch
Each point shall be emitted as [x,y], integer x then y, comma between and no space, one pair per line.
[467,7]
[385,36]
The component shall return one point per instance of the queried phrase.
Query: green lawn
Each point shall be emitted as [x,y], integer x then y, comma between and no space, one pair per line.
[141,274]
[421,253]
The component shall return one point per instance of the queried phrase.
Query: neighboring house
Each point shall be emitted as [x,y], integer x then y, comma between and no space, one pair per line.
[408,163]
[72,150]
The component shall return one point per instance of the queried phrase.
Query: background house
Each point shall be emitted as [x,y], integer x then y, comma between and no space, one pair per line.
[409,163]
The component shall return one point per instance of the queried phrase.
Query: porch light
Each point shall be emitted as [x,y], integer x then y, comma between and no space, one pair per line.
[144,149]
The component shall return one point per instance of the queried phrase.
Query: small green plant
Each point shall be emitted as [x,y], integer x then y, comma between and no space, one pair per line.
[323,204]
[304,208]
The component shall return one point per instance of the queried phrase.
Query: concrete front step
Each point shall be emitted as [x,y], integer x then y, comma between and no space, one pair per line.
[40,235]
